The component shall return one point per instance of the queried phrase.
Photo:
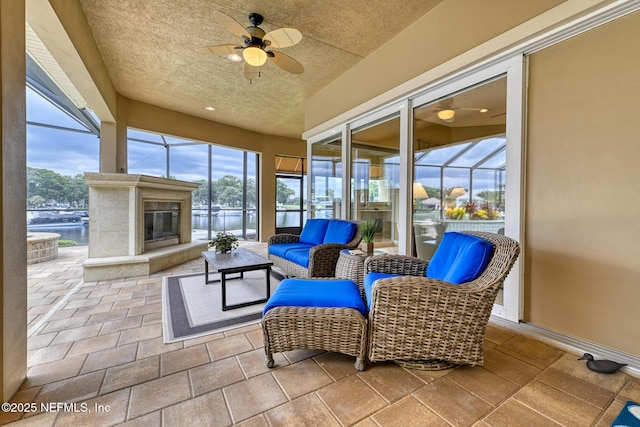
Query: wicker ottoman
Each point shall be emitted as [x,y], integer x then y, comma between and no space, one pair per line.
[318,314]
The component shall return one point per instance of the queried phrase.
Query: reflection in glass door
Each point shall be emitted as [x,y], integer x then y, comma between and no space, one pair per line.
[459,168]
[326,185]
[375,179]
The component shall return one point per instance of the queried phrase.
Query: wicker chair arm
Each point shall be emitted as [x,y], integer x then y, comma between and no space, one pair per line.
[430,300]
[396,264]
[283,238]
[323,259]
[428,285]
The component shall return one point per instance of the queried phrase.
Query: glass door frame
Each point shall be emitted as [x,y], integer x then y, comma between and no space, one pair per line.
[515,71]
[301,207]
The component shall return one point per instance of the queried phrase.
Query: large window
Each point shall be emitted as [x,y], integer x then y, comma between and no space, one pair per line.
[60,148]
[226,199]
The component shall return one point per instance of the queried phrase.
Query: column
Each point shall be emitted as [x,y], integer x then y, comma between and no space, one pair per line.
[13,220]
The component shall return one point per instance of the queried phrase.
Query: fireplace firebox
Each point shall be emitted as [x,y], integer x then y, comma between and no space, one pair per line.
[161,224]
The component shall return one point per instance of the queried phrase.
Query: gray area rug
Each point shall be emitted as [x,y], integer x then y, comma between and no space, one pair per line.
[191,308]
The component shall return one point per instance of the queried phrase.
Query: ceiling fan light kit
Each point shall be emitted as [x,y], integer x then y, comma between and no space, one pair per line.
[254,44]
[446,115]
[254,56]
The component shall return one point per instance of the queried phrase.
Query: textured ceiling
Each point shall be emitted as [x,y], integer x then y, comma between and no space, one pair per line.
[149,48]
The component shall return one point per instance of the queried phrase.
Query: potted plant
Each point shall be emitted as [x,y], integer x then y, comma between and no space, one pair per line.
[224,242]
[368,229]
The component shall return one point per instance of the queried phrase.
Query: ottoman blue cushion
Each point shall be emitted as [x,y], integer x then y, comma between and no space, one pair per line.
[281,249]
[460,258]
[369,278]
[316,293]
[314,231]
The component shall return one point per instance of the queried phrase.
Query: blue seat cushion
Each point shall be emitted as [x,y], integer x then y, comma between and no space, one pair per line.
[281,249]
[340,231]
[316,293]
[299,256]
[460,258]
[369,278]
[314,231]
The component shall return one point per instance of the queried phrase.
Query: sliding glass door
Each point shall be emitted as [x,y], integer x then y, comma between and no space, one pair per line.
[326,182]
[459,165]
[447,158]
[375,179]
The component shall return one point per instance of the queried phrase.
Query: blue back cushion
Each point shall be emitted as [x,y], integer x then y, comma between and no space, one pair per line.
[340,231]
[281,249]
[460,258]
[316,293]
[314,231]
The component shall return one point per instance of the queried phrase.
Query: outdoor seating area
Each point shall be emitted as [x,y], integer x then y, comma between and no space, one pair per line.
[421,314]
[100,343]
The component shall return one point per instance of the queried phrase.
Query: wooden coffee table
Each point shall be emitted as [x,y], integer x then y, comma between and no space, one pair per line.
[237,261]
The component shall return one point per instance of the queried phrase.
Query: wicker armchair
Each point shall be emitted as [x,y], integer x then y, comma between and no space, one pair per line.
[428,324]
[322,258]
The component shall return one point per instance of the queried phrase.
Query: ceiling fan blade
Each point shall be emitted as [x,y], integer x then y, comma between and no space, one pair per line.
[222,49]
[283,37]
[231,24]
[286,62]
[251,72]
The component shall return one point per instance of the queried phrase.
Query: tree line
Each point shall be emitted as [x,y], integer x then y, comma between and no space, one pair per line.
[49,189]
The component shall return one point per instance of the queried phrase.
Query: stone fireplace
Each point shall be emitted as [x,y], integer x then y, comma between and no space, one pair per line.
[138,225]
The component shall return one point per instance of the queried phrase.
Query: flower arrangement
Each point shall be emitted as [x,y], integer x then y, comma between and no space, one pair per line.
[224,242]
[455,213]
[368,228]
[485,212]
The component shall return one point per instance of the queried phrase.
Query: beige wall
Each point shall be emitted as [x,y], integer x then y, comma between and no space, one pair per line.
[582,233]
[13,222]
[450,29]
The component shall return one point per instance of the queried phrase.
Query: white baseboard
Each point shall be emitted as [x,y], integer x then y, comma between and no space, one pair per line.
[571,344]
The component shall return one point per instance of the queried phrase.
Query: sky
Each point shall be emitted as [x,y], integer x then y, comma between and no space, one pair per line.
[70,153]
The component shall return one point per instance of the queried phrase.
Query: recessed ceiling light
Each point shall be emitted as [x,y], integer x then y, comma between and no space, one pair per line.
[235,57]
[210,108]
[484,110]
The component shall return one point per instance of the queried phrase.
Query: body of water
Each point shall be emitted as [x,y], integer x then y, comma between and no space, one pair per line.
[225,221]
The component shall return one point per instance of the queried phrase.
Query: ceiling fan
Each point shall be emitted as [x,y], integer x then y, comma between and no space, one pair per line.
[255,42]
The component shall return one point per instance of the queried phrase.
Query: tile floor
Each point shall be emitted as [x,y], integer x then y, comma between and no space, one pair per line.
[99,345]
